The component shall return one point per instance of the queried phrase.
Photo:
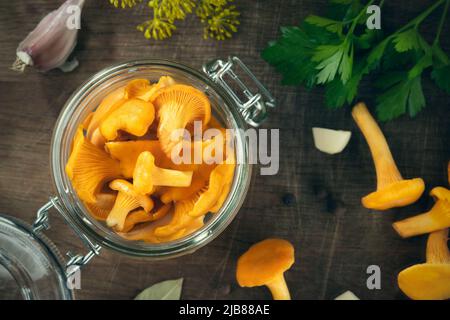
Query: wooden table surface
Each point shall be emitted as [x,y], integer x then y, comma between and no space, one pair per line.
[335,238]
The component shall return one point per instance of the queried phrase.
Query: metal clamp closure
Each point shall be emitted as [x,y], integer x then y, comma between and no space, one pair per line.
[76,261]
[254,109]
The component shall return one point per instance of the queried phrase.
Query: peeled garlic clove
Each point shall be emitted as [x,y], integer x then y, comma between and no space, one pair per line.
[49,45]
[347,295]
[330,141]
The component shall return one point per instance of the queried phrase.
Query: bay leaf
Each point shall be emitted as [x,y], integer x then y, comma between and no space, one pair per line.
[165,290]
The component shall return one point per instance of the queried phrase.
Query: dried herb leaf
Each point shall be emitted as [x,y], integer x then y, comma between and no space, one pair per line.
[165,290]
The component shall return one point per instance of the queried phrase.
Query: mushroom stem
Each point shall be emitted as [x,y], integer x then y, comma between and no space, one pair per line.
[279,289]
[437,249]
[147,175]
[435,219]
[386,169]
[174,178]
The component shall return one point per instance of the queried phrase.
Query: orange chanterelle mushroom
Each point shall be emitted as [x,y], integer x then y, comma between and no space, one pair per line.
[121,167]
[392,190]
[89,167]
[177,107]
[264,264]
[437,218]
[430,280]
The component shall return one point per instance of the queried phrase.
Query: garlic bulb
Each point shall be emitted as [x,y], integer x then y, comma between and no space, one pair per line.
[49,45]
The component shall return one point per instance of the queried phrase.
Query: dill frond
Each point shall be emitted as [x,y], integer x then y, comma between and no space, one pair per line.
[172,9]
[124,3]
[157,29]
[219,19]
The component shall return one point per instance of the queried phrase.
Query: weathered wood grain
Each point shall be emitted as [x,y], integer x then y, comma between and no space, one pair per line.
[333,246]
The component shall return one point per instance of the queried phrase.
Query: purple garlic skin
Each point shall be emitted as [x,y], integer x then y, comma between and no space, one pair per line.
[52,41]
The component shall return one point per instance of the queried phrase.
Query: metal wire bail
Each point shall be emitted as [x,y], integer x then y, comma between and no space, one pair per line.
[76,261]
[254,109]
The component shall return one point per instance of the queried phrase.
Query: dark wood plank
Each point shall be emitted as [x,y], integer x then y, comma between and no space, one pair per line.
[333,247]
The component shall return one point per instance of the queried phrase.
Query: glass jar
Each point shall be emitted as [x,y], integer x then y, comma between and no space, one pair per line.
[233,108]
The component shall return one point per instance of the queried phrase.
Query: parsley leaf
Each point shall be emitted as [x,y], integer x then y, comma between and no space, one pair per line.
[292,53]
[367,39]
[441,69]
[344,10]
[376,54]
[403,95]
[407,40]
[329,58]
[291,56]
[337,93]
[332,60]
[441,77]
[329,24]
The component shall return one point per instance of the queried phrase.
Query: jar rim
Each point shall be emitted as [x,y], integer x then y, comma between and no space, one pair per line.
[189,243]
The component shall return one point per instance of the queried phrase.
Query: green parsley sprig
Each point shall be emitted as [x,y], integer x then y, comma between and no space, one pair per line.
[338,51]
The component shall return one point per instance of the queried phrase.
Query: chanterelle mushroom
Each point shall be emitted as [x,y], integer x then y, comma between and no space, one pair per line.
[436,219]
[127,153]
[208,197]
[89,168]
[140,216]
[101,208]
[109,104]
[200,179]
[178,106]
[264,264]
[134,116]
[127,200]
[147,175]
[430,280]
[392,190]
[137,88]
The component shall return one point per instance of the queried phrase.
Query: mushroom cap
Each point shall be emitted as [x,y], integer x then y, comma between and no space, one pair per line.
[97,139]
[147,231]
[89,168]
[426,281]
[128,199]
[207,197]
[397,194]
[137,88]
[134,116]
[140,216]
[180,220]
[77,143]
[102,206]
[264,261]
[110,103]
[142,89]
[440,193]
[179,106]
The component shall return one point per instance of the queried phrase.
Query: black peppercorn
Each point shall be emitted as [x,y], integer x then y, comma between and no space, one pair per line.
[288,199]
